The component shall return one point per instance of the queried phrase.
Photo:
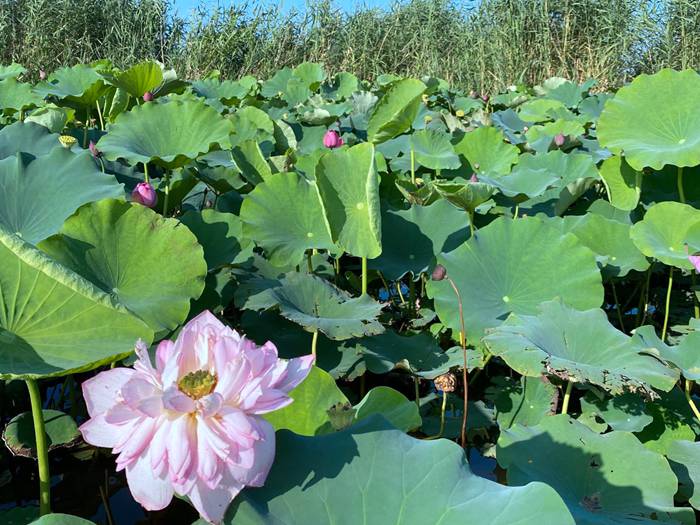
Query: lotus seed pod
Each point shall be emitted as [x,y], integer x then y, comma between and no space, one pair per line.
[459,113]
[445,382]
[67,141]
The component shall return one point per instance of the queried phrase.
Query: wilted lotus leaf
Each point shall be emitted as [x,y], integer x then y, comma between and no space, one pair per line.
[609,479]
[653,134]
[578,346]
[513,266]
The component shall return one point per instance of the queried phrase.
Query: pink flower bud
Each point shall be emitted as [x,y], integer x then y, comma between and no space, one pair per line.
[485,98]
[42,74]
[144,194]
[473,178]
[147,96]
[332,139]
[559,140]
[439,273]
[95,152]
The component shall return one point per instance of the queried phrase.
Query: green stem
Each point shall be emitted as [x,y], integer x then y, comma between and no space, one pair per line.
[364,276]
[668,304]
[681,193]
[442,417]
[167,194]
[689,398]
[314,343]
[517,210]
[617,306]
[567,396]
[85,129]
[309,264]
[145,172]
[398,289]
[99,114]
[471,223]
[413,166]
[42,449]
[696,307]
[644,300]
[416,385]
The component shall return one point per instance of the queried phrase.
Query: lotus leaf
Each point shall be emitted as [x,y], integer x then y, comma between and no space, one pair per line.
[395,111]
[626,412]
[140,78]
[60,519]
[487,152]
[684,457]
[221,236]
[524,402]
[26,137]
[433,150]
[622,182]
[17,96]
[80,85]
[61,432]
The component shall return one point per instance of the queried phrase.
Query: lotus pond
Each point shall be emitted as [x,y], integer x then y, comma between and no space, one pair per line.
[314,299]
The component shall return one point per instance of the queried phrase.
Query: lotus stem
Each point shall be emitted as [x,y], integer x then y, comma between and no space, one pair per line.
[413,166]
[617,306]
[314,343]
[681,193]
[416,385]
[644,300]
[465,369]
[145,173]
[398,289]
[309,264]
[696,307]
[471,223]
[517,210]
[42,449]
[567,396]
[99,114]
[689,398]
[668,304]
[21,115]
[364,276]
[442,417]
[85,129]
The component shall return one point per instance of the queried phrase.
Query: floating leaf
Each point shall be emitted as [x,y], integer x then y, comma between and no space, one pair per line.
[395,111]
[652,134]
[349,187]
[170,134]
[112,244]
[53,322]
[609,479]
[351,477]
[399,411]
[318,305]
[513,266]
[578,346]
[285,217]
[524,402]
[33,197]
[61,432]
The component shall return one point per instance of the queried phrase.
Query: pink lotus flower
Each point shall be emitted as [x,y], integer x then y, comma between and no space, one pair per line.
[191,424]
[147,96]
[473,178]
[42,74]
[332,139]
[559,140]
[144,194]
[694,259]
[94,151]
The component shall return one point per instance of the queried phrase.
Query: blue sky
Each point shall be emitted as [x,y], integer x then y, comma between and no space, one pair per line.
[185,6]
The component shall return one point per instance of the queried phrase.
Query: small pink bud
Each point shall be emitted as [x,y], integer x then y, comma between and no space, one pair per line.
[332,139]
[42,74]
[147,96]
[439,273]
[473,178]
[559,140]
[694,259]
[144,194]
[95,152]
[485,98]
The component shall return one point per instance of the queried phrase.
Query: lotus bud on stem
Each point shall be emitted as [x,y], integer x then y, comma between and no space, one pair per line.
[439,274]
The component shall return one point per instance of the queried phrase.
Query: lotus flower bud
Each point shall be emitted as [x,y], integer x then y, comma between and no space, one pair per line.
[473,178]
[439,273]
[95,152]
[332,139]
[485,98]
[144,194]
[42,74]
[559,140]
[147,96]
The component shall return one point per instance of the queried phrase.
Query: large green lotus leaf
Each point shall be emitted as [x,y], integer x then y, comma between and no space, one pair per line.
[284,216]
[251,162]
[341,86]
[433,150]
[61,432]
[412,238]
[374,474]
[227,91]
[392,405]
[666,228]
[395,111]
[610,241]
[487,152]
[622,182]
[523,402]
[603,479]
[673,420]
[61,519]
[523,182]
[539,109]
[221,236]
[626,412]
[12,71]
[463,193]
[578,346]
[79,85]
[121,247]
[52,321]
[170,134]
[540,137]
[308,414]
[316,304]
[139,78]
[34,200]
[26,137]
[16,96]
[251,123]
[52,117]
[684,457]
[513,266]
[653,134]
[349,186]
[310,74]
